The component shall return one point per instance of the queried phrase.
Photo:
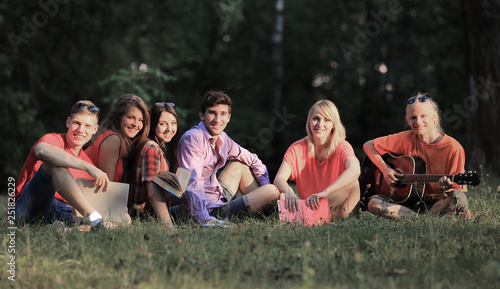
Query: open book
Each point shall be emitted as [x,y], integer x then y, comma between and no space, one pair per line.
[305,215]
[174,183]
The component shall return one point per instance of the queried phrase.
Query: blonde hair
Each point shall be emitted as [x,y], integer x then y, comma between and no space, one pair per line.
[85,109]
[433,106]
[338,134]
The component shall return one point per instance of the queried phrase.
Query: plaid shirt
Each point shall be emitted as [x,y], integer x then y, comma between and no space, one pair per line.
[150,161]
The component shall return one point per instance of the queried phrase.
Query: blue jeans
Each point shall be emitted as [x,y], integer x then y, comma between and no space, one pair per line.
[37,202]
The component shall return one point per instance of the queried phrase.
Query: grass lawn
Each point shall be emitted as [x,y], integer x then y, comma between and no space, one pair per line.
[367,252]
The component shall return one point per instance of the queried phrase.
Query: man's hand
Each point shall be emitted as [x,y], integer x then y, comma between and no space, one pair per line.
[445,184]
[101,180]
[391,176]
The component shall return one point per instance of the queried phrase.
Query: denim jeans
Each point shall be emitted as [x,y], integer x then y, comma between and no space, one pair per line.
[37,202]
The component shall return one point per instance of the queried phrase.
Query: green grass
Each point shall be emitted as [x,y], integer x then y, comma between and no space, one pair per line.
[368,252]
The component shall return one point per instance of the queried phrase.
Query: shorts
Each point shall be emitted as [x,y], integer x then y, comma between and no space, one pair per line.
[236,207]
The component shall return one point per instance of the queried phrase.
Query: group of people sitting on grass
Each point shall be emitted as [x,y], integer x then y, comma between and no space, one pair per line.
[134,143]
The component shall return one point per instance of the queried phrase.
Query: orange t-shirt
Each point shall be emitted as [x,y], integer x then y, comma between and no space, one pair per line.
[444,157]
[312,176]
[93,152]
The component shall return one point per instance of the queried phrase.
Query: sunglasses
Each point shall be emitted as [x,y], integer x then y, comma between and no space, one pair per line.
[81,105]
[420,98]
[165,104]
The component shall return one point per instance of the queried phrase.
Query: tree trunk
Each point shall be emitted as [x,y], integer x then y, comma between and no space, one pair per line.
[278,52]
[482,107]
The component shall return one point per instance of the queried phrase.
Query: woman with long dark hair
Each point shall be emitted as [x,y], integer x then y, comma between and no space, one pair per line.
[125,127]
[156,154]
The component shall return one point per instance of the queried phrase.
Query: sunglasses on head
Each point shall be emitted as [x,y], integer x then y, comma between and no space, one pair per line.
[422,98]
[81,105]
[165,104]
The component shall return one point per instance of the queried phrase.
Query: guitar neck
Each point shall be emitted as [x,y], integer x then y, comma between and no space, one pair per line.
[421,178]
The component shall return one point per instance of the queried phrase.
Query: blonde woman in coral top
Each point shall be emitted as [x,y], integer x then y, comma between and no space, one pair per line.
[322,164]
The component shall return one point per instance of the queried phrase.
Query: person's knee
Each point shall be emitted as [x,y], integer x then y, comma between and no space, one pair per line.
[236,167]
[234,172]
[355,187]
[354,192]
[51,170]
[271,191]
[48,169]
[264,194]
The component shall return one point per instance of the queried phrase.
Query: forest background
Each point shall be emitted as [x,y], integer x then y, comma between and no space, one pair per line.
[274,58]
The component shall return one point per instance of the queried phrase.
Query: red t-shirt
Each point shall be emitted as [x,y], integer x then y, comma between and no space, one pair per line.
[312,176]
[32,163]
[444,157]
[93,152]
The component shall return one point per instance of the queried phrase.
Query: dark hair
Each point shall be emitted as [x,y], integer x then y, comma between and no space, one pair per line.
[114,117]
[169,149]
[214,98]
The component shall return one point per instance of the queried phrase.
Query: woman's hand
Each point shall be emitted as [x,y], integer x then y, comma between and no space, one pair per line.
[313,201]
[291,200]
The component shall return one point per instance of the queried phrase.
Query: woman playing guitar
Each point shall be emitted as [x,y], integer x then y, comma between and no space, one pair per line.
[441,153]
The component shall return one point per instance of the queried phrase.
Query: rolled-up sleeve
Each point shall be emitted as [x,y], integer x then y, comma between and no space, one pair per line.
[236,152]
[190,156]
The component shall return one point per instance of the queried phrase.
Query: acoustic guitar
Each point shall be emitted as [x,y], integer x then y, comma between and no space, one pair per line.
[411,185]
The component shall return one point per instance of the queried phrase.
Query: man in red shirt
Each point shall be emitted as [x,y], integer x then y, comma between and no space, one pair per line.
[46,188]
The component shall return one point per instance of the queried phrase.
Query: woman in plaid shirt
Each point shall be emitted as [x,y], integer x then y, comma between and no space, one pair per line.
[157,154]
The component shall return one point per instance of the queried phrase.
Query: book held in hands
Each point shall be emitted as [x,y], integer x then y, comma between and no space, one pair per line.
[176,183]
